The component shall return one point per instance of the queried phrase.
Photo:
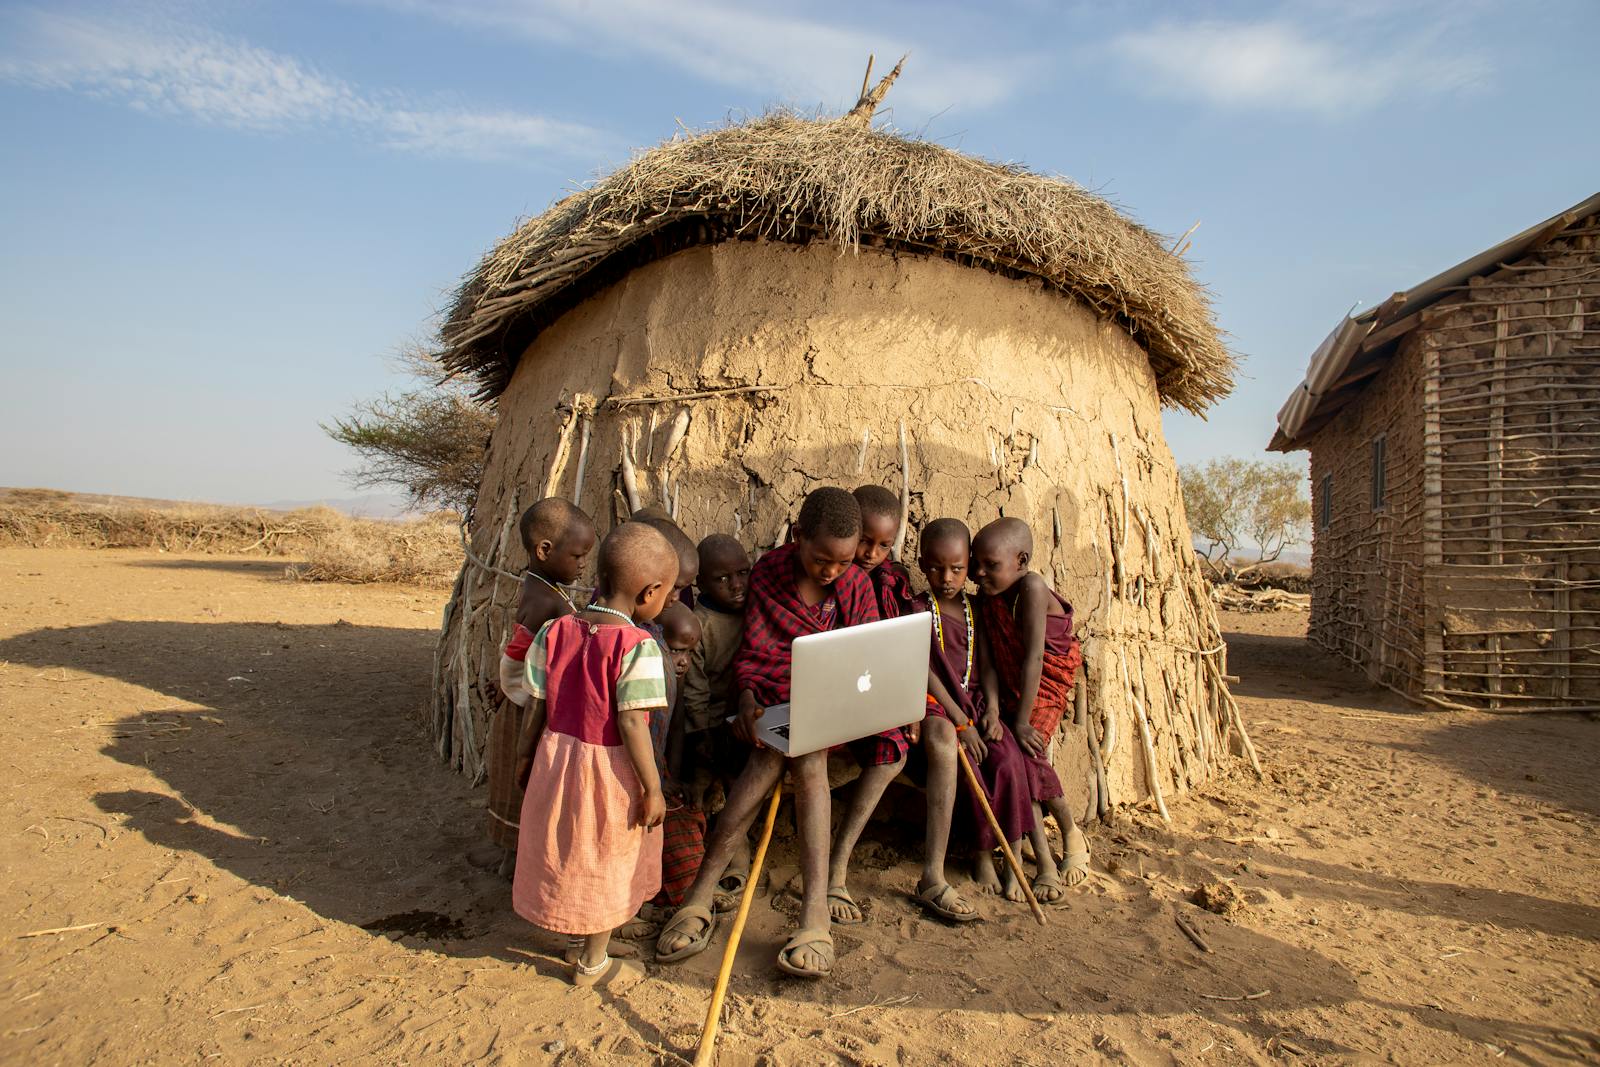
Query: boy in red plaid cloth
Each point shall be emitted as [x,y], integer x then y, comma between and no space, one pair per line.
[809,586]
[1036,660]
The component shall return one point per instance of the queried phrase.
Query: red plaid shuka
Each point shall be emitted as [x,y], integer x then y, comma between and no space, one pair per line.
[1061,659]
[891,584]
[775,615]
[683,847]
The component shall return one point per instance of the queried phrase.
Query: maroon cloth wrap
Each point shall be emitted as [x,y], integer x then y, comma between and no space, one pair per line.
[1004,771]
[1057,674]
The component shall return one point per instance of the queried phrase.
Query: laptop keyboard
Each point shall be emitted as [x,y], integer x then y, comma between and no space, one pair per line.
[781,731]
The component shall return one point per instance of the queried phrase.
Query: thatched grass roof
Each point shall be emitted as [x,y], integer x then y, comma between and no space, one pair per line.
[786,178]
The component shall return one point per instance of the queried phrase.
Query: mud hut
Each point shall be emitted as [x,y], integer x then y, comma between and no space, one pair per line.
[1454,433]
[740,315]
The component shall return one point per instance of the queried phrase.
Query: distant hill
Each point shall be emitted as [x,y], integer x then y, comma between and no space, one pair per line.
[373,506]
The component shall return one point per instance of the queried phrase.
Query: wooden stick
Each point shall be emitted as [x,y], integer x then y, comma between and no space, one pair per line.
[905,494]
[994,824]
[1192,934]
[708,1036]
[626,401]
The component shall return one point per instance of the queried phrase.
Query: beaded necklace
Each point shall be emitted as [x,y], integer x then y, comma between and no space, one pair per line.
[938,631]
[623,615]
[554,588]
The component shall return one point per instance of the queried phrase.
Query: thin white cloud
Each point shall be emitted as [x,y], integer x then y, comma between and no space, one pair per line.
[743,45]
[197,74]
[1280,65]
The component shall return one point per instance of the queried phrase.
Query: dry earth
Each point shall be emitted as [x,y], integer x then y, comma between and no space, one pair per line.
[224,838]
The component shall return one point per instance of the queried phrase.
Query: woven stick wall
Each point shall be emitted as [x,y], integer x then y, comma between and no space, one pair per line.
[1513,589]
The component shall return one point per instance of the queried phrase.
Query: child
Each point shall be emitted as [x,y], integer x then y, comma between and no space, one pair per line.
[711,754]
[960,662]
[880,529]
[688,558]
[588,854]
[685,826]
[558,538]
[807,586]
[1029,631]
[891,583]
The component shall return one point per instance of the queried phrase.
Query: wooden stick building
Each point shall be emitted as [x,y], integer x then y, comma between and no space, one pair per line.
[1454,434]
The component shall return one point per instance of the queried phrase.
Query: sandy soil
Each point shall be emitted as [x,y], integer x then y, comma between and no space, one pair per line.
[217,784]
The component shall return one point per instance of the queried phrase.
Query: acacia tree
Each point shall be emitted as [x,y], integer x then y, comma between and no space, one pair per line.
[1233,503]
[427,440]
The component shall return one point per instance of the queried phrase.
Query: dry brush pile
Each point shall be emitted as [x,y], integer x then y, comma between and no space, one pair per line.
[323,544]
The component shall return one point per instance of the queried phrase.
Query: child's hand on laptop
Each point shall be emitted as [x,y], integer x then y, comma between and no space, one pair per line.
[744,726]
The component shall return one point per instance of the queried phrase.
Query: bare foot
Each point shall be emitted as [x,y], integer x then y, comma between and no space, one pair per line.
[984,874]
[1012,889]
[637,928]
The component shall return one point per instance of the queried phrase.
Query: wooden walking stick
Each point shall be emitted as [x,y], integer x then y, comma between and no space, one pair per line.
[994,824]
[708,1036]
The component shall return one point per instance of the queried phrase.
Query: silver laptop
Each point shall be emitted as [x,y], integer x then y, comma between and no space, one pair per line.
[851,683]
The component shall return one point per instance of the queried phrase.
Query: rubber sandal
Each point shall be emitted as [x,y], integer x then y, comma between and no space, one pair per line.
[806,938]
[843,895]
[933,898]
[1076,862]
[698,943]
[1051,882]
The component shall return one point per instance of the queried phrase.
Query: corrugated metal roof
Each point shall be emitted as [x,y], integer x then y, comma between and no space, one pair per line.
[1361,345]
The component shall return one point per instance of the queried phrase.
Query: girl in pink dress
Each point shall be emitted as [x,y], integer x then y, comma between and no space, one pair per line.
[589,845]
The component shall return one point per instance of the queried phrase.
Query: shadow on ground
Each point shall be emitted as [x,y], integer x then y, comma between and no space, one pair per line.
[266,568]
[296,761]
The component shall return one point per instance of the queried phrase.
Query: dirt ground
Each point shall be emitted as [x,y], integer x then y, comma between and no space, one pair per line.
[225,837]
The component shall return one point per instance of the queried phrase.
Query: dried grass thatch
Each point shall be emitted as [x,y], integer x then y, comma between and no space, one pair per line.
[786,178]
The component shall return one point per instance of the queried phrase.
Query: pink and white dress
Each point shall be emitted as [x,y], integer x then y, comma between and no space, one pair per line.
[581,866]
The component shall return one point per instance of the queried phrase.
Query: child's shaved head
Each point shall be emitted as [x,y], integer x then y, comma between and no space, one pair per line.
[680,630]
[1007,535]
[688,555]
[941,532]
[552,519]
[679,626]
[649,514]
[724,577]
[634,556]
[829,511]
[876,501]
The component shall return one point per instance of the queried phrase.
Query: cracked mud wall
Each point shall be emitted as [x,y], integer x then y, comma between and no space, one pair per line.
[1014,401]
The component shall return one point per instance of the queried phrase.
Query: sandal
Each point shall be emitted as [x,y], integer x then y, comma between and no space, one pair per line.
[1050,882]
[637,928]
[698,943]
[609,972]
[841,895]
[1076,864]
[813,938]
[936,898]
[730,888]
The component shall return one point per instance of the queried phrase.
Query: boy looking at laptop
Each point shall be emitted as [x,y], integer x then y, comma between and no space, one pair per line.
[806,587]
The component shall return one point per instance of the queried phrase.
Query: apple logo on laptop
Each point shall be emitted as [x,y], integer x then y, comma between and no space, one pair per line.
[864,683]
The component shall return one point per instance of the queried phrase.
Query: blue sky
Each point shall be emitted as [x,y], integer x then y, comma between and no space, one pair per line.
[220,220]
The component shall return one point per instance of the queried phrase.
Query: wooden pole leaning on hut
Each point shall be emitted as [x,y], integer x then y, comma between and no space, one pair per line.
[708,1035]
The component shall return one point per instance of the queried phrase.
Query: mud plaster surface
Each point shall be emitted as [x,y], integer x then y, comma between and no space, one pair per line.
[1014,401]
